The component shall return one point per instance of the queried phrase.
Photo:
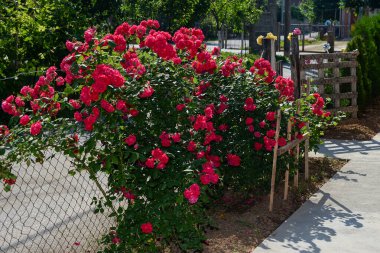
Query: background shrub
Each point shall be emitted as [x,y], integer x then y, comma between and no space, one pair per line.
[366,37]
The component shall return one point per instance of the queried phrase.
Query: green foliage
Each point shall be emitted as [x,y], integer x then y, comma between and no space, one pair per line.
[295,13]
[307,9]
[365,39]
[356,4]
[234,13]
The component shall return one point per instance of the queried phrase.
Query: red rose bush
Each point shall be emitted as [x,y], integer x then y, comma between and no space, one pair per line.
[169,123]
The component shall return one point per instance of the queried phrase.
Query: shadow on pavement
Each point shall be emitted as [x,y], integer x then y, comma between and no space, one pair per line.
[311,225]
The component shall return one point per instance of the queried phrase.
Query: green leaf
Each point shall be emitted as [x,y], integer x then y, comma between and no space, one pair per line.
[68,90]
[134,157]
[2,150]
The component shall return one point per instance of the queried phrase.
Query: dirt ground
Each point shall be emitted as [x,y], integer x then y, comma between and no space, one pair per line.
[363,128]
[245,223]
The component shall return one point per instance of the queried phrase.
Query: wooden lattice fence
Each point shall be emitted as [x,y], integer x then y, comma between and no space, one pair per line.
[333,76]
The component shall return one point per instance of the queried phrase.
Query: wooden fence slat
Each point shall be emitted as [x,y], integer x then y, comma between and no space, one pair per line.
[336,85]
[341,95]
[295,65]
[296,174]
[288,137]
[332,80]
[273,180]
[282,150]
[307,175]
[345,55]
[354,100]
[344,109]
[343,64]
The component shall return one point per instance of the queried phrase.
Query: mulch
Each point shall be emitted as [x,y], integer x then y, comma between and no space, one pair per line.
[364,128]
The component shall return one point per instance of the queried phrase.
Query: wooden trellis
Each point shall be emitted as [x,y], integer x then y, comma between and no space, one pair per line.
[291,145]
[321,64]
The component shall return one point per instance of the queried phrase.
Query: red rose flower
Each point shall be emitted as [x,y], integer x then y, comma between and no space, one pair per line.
[233,160]
[176,137]
[149,163]
[130,140]
[148,92]
[271,133]
[281,141]
[258,146]
[9,181]
[35,128]
[180,107]
[24,120]
[248,121]
[107,106]
[147,228]
[74,103]
[192,193]
[78,116]
[116,240]
[271,116]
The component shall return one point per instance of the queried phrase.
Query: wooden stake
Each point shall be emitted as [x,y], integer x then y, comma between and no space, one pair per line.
[307,175]
[307,155]
[273,181]
[296,174]
[289,137]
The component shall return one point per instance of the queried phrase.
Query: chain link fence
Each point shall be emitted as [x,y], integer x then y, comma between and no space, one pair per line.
[49,210]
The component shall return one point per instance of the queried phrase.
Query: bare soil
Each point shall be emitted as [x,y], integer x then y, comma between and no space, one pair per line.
[363,128]
[242,224]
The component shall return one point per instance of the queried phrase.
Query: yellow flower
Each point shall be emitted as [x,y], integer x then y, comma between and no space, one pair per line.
[290,36]
[271,36]
[259,40]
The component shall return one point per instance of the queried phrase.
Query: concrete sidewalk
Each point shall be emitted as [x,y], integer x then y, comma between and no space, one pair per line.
[344,215]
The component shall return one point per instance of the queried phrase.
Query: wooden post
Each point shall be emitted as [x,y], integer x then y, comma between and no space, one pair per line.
[296,174]
[303,42]
[295,66]
[289,138]
[330,40]
[307,176]
[273,181]
[269,53]
[242,40]
[336,73]
[278,47]
[354,101]
[279,68]
[321,75]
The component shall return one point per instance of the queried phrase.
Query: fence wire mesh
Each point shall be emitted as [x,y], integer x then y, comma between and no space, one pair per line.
[50,211]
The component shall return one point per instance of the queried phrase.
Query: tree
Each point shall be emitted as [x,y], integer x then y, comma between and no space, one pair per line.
[307,8]
[326,9]
[356,4]
[234,13]
[33,32]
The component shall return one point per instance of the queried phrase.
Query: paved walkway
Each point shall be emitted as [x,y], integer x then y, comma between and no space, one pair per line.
[344,215]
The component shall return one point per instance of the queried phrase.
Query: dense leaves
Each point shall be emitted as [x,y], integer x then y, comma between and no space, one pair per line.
[365,38]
